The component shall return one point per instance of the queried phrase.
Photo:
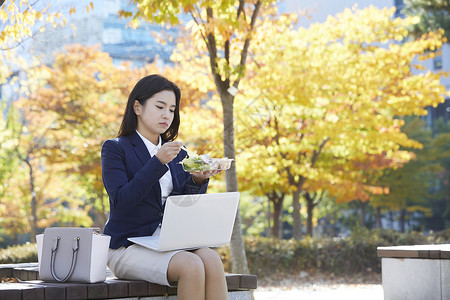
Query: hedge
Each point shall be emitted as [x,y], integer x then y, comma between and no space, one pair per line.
[348,255]
[19,254]
[354,254]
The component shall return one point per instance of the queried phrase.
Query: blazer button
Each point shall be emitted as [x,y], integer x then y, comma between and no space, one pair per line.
[161,214]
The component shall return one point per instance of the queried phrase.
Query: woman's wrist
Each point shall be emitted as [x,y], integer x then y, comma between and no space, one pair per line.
[196,181]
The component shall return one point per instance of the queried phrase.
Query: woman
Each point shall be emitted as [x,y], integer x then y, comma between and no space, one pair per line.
[140,170]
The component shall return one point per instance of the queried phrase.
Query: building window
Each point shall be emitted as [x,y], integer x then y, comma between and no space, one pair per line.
[437,62]
[399,5]
[112,36]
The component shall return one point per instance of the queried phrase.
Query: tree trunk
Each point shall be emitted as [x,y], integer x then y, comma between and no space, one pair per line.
[33,215]
[378,217]
[237,248]
[391,220]
[297,230]
[269,217]
[277,212]
[310,207]
[100,216]
[362,219]
[402,220]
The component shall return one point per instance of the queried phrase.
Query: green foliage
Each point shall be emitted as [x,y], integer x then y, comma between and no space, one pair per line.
[8,161]
[439,202]
[410,184]
[253,214]
[19,254]
[349,255]
[434,14]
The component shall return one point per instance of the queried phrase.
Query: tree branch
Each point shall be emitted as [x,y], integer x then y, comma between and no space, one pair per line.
[240,8]
[244,51]
[318,197]
[227,59]
[212,49]
[198,24]
[317,153]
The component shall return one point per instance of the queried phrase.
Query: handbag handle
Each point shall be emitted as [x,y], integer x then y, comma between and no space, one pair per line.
[75,246]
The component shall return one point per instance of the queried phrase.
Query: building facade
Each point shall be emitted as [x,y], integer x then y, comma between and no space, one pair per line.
[440,62]
[102,26]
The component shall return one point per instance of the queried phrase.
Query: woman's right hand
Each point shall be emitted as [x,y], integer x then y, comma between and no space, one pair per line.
[168,152]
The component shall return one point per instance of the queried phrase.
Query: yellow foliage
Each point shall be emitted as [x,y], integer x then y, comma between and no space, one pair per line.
[19,18]
[69,109]
[316,108]
[334,94]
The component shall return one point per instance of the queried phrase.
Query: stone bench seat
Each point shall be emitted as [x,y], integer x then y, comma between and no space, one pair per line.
[415,272]
[30,287]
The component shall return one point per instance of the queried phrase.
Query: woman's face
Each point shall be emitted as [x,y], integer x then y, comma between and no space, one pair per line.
[156,115]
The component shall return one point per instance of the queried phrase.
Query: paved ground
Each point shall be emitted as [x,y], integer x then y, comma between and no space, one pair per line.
[305,286]
[339,291]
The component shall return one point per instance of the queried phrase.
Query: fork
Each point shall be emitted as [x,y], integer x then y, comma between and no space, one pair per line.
[185,149]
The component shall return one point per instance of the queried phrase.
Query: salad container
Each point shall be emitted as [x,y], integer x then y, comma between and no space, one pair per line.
[198,163]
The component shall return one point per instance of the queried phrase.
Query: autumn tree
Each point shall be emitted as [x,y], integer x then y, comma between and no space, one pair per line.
[408,185]
[421,184]
[8,161]
[50,146]
[341,85]
[21,19]
[30,197]
[8,165]
[86,94]
[18,146]
[223,31]
[258,165]
[71,107]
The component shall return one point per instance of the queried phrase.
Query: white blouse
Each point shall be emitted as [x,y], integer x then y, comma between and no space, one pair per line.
[166,180]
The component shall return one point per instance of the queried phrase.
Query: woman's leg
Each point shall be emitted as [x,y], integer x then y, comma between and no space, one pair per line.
[188,269]
[215,282]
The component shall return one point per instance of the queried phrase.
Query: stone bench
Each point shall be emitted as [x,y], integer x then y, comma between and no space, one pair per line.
[415,272]
[30,287]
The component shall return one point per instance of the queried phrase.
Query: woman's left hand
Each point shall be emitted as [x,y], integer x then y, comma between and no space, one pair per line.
[200,177]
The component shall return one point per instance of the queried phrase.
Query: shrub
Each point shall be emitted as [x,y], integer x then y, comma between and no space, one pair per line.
[19,254]
[354,254]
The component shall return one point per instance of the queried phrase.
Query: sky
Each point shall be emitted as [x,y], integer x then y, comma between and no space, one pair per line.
[319,10]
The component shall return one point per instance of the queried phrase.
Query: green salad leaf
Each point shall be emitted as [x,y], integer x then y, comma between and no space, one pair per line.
[194,164]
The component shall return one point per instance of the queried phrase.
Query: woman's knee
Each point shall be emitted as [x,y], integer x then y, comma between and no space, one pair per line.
[210,258]
[186,264]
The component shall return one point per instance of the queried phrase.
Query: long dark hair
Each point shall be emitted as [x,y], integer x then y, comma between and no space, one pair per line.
[143,90]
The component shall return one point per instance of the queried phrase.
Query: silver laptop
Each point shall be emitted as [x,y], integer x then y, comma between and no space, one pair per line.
[194,221]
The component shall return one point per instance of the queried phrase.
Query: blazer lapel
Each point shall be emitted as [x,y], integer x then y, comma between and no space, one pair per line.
[139,148]
[143,155]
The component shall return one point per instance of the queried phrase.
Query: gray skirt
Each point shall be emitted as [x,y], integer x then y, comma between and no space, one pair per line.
[139,263]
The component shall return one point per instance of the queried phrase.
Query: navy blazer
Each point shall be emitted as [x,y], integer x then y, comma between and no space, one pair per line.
[131,178]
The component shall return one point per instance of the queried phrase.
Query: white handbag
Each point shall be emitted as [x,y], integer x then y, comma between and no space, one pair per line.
[72,254]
